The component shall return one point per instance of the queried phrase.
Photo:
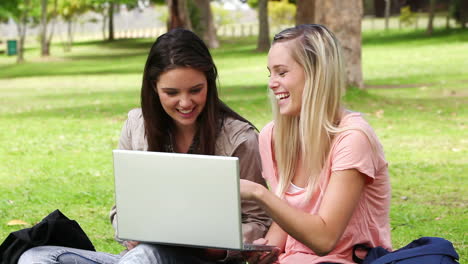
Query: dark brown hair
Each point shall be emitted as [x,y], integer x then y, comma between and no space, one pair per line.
[174,49]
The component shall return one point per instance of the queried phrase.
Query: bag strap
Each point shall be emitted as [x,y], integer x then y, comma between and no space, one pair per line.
[359,247]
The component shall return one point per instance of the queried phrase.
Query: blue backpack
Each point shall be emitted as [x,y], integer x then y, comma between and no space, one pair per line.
[426,250]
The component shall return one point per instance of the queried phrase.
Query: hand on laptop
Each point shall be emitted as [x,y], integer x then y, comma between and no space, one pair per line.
[131,244]
[214,254]
[262,257]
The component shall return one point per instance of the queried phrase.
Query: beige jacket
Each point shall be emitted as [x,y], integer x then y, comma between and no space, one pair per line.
[238,139]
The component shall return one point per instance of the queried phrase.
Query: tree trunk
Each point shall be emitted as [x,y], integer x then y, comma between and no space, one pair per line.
[104,23]
[344,20]
[430,22]
[21,28]
[263,41]
[111,21]
[43,36]
[52,22]
[69,36]
[178,15]
[305,12]
[463,13]
[387,13]
[447,19]
[207,21]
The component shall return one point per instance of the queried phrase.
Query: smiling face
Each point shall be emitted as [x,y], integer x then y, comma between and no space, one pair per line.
[287,79]
[182,93]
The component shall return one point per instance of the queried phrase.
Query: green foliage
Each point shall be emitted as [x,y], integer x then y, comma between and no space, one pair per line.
[69,9]
[457,11]
[195,17]
[158,2]
[15,9]
[407,18]
[222,16]
[163,13]
[281,12]
[252,3]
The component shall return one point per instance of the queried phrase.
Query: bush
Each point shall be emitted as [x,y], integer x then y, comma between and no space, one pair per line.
[407,18]
[281,12]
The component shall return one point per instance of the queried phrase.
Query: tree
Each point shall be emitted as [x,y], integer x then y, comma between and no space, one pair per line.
[305,12]
[263,41]
[21,12]
[387,13]
[459,10]
[447,18]
[107,8]
[111,20]
[178,15]
[69,10]
[344,19]
[47,19]
[207,24]
[430,23]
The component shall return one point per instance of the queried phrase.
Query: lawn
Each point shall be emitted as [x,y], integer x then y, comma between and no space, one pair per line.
[61,117]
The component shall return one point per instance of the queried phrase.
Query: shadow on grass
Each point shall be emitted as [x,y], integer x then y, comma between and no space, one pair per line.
[244,98]
[91,65]
[89,106]
[141,44]
[126,56]
[440,36]
[364,101]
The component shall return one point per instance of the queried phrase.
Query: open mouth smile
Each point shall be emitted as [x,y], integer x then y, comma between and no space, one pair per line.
[281,96]
[187,111]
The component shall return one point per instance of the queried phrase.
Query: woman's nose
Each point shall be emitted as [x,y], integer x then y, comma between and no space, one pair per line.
[185,101]
[272,83]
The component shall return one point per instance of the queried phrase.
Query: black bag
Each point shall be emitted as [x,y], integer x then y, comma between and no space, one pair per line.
[425,250]
[54,230]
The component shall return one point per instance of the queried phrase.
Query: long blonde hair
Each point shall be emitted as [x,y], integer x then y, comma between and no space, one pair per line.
[309,135]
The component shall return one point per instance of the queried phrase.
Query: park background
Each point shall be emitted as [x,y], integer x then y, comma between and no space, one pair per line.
[61,112]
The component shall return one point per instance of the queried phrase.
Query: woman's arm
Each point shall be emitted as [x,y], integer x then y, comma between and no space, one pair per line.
[322,231]
[276,236]
[255,221]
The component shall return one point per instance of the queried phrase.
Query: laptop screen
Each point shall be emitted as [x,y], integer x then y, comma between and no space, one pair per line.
[181,199]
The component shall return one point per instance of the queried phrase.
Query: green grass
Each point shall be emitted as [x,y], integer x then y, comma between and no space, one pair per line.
[61,117]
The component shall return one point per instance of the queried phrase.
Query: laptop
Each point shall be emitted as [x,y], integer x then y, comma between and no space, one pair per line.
[179,199]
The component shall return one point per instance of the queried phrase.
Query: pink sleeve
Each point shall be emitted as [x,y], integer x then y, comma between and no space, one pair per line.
[353,151]
[268,168]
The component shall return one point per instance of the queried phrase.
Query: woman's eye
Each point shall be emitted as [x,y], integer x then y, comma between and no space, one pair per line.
[195,91]
[282,73]
[171,93]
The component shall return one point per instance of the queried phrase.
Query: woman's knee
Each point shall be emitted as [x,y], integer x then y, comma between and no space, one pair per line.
[146,253]
[43,254]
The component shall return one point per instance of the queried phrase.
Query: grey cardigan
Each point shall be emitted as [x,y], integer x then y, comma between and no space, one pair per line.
[236,138]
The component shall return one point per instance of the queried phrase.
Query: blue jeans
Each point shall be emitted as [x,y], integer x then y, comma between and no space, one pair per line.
[143,253]
[62,255]
[161,254]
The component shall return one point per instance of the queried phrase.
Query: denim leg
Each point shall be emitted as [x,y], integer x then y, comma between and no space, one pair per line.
[65,255]
[160,254]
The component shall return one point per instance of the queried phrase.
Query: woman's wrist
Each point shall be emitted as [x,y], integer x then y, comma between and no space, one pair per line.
[259,192]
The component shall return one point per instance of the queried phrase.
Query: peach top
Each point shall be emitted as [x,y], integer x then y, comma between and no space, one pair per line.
[370,222]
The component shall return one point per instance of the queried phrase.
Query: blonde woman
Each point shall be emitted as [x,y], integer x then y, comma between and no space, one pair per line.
[324,163]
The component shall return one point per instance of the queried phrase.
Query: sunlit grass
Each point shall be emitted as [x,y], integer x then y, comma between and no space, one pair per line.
[61,117]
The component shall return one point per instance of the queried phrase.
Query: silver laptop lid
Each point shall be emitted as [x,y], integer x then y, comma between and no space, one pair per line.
[178,199]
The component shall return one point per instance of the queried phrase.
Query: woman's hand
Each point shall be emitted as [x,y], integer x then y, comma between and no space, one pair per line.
[249,190]
[213,254]
[262,257]
[131,244]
